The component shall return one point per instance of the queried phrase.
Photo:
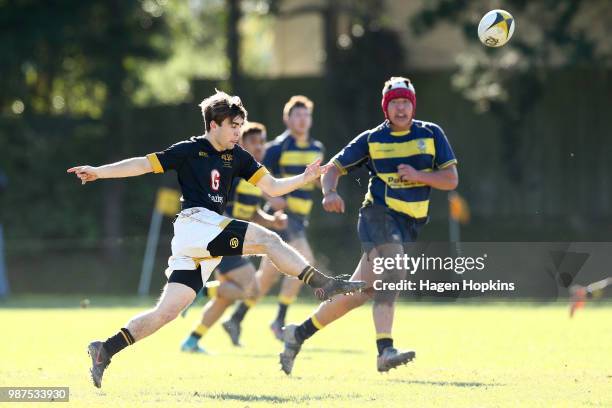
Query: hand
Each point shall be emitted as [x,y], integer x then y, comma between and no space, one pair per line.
[85,173]
[408,173]
[332,202]
[314,170]
[280,221]
[277,203]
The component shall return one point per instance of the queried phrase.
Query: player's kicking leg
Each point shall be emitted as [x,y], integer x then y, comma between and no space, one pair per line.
[261,241]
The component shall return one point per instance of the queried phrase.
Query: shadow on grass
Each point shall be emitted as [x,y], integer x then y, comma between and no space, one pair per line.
[335,351]
[449,383]
[261,355]
[304,354]
[227,396]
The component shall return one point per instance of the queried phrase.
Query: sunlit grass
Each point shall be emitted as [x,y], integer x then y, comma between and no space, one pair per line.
[490,355]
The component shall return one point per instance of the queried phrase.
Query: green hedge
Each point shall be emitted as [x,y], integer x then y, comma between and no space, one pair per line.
[53,225]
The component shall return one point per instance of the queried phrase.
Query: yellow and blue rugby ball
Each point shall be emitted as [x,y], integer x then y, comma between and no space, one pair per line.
[496,28]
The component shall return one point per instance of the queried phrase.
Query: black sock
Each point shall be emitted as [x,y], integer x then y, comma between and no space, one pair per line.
[282,312]
[118,342]
[240,312]
[382,344]
[305,330]
[313,278]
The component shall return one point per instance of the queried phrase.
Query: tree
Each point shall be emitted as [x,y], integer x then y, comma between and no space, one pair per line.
[354,91]
[81,58]
[507,83]
[234,14]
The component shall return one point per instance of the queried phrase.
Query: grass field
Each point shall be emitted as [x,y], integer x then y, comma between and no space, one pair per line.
[467,356]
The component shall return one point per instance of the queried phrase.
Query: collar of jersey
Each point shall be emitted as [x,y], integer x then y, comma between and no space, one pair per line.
[402,133]
[210,147]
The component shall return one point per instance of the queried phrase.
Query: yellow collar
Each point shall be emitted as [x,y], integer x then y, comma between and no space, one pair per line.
[401,133]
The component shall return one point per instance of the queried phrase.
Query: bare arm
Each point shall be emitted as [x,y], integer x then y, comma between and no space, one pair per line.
[329,181]
[444,179]
[135,166]
[332,201]
[275,187]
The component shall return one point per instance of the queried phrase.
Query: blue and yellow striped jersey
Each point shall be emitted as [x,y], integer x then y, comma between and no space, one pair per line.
[245,199]
[424,147]
[286,157]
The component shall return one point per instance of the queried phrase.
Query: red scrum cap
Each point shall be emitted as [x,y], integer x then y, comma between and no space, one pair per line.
[398,87]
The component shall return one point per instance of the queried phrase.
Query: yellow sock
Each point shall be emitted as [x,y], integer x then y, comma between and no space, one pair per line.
[199,331]
[316,323]
[286,300]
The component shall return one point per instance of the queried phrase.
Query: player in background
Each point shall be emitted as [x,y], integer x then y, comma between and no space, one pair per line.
[406,159]
[579,295]
[206,167]
[236,274]
[286,156]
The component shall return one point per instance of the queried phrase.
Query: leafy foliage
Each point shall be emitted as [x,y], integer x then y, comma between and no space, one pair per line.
[508,82]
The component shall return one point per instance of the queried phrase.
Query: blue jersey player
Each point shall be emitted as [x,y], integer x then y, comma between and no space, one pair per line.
[206,167]
[406,158]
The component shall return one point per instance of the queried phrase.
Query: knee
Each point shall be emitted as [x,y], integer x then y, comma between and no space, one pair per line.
[270,240]
[260,240]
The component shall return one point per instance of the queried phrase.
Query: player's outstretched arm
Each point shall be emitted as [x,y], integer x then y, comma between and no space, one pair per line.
[332,201]
[275,187]
[443,179]
[135,166]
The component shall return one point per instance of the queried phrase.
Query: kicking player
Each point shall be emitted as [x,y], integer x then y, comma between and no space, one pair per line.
[206,167]
[406,158]
[237,273]
[287,155]
[580,294]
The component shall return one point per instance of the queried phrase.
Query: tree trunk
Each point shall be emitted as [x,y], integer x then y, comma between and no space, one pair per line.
[233,44]
[117,140]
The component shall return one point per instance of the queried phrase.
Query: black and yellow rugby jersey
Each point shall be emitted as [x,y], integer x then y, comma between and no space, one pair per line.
[205,174]
[424,147]
[286,157]
[245,199]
